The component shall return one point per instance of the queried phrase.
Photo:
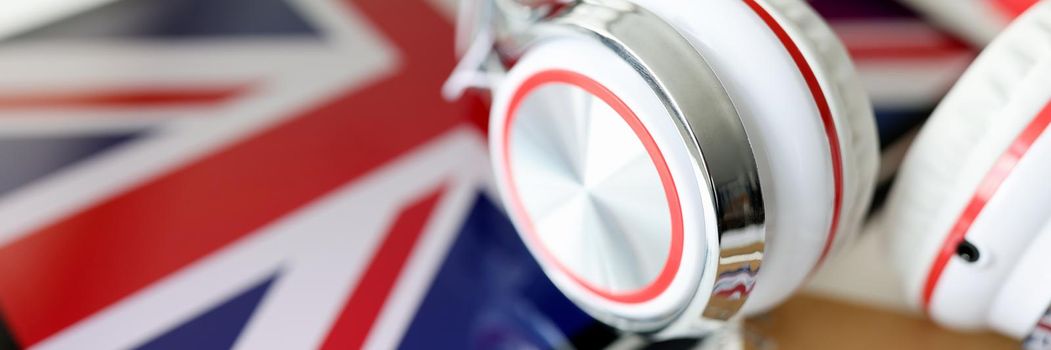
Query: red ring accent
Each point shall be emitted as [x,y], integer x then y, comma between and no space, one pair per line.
[986,189]
[671,265]
[826,119]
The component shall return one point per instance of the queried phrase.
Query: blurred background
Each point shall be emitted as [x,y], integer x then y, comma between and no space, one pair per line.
[285,174]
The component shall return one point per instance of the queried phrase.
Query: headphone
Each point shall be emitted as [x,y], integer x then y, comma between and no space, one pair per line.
[676,164]
[967,220]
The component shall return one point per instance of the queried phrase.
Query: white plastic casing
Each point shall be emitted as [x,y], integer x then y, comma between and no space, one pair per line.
[1011,219]
[960,156]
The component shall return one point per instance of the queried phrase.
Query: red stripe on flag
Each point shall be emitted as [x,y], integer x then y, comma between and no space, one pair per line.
[898,40]
[948,49]
[371,292]
[81,264]
[138,98]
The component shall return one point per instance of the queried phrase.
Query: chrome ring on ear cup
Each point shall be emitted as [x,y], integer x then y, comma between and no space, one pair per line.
[707,122]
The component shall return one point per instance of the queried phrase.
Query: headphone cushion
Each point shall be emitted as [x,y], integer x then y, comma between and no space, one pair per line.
[762,74]
[849,103]
[967,133]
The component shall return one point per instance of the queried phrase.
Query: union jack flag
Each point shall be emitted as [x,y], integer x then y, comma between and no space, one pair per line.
[278,174]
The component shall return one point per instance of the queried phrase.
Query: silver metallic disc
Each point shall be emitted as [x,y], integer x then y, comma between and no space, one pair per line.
[590,188]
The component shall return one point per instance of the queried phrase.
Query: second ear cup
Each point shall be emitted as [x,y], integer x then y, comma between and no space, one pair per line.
[961,211]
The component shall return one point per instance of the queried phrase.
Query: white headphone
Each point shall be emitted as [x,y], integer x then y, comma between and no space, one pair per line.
[968,217]
[673,164]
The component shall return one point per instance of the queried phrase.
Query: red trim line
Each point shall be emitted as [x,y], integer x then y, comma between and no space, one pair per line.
[986,189]
[671,265]
[370,294]
[826,119]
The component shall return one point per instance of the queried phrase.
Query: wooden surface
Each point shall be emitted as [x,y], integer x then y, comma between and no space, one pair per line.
[813,323]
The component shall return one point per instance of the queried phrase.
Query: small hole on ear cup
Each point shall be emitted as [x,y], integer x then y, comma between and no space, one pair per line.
[967,251]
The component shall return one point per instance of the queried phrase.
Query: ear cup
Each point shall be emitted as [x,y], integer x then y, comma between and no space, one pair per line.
[963,178]
[808,124]
[807,118]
